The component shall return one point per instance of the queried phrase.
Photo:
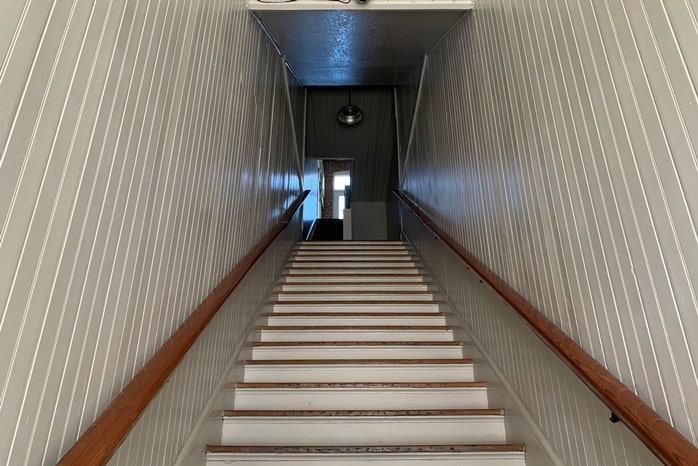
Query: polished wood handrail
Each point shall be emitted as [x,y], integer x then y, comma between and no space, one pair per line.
[659,436]
[102,438]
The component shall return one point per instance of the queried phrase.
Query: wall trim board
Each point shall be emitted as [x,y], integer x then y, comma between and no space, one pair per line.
[658,435]
[415,115]
[99,442]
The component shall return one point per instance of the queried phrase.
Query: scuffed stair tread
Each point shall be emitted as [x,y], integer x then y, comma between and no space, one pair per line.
[354,314]
[301,385]
[356,327]
[274,362]
[330,302]
[355,343]
[368,449]
[362,413]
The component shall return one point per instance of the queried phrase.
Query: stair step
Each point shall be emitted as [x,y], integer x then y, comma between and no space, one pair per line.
[356,296]
[358,371]
[344,245]
[355,267]
[357,396]
[356,276]
[354,318]
[341,286]
[356,332]
[363,258]
[361,349]
[390,455]
[363,427]
[329,252]
[359,306]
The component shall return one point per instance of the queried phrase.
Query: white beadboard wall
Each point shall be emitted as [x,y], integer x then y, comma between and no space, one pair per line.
[573,423]
[556,140]
[146,147]
[169,421]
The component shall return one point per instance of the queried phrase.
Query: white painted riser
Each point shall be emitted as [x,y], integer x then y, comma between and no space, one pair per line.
[351,335]
[310,256]
[353,271]
[412,459]
[358,266]
[362,352]
[355,320]
[360,373]
[348,288]
[355,307]
[303,297]
[359,399]
[368,430]
[351,254]
[349,278]
[350,244]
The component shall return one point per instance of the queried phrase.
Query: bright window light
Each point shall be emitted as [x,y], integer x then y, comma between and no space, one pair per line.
[340,207]
[340,181]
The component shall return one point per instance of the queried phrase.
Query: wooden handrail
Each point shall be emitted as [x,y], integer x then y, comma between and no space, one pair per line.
[659,436]
[102,438]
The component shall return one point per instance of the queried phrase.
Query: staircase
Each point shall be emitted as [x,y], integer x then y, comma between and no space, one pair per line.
[356,363]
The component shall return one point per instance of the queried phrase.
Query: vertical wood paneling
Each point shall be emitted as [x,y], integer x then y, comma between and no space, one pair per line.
[556,141]
[146,146]
[572,419]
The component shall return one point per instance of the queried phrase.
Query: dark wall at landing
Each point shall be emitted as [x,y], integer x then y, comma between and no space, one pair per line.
[372,143]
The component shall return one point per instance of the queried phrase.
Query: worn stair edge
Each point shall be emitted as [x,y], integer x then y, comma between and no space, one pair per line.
[354,314]
[356,385]
[355,327]
[516,447]
[291,362]
[355,343]
[363,413]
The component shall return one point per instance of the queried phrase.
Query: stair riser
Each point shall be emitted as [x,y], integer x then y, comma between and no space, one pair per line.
[341,257]
[360,352]
[348,297]
[372,430]
[360,399]
[350,288]
[349,278]
[355,307]
[352,244]
[355,320]
[353,335]
[413,459]
[362,266]
[360,373]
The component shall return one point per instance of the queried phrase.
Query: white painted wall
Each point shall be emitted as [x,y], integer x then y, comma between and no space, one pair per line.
[146,146]
[556,140]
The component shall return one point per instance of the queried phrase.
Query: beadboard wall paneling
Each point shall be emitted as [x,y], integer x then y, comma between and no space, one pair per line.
[371,144]
[168,421]
[574,421]
[146,146]
[556,140]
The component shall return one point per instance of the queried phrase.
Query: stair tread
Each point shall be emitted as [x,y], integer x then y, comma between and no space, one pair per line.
[301,385]
[354,314]
[356,302]
[361,412]
[516,447]
[356,327]
[355,343]
[272,362]
[355,292]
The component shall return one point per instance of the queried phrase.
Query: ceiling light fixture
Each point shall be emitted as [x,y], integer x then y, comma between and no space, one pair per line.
[350,114]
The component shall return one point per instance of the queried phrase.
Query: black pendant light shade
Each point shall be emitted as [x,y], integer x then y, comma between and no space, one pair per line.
[350,114]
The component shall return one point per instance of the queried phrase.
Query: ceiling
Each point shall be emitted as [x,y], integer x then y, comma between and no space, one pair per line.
[353,44]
